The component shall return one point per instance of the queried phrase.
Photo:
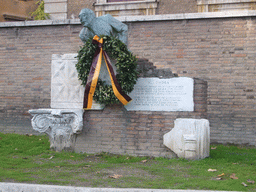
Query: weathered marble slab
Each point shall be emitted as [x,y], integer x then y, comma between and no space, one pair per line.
[66,90]
[154,94]
[189,139]
[150,94]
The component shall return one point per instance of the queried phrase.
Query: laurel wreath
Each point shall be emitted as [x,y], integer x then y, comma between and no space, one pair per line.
[126,68]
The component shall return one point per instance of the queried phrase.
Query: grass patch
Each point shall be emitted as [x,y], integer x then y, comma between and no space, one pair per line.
[29,159]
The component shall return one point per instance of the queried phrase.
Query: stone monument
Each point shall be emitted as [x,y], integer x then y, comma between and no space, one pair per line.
[189,139]
[64,120]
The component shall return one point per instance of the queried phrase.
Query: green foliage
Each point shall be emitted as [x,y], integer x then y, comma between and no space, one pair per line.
[39,13]
[29,159]
[14,144]
[125,63]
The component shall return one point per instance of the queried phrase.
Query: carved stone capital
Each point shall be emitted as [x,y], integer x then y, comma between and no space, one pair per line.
[61,125]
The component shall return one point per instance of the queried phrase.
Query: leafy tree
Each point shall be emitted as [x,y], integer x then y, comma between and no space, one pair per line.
[39,13]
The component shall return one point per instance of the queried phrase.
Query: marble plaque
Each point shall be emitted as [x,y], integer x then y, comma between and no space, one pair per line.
[154,94]
[66,90]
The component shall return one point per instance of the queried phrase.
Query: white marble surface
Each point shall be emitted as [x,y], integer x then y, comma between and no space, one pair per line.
[66,90]
[154,94]
[189,139]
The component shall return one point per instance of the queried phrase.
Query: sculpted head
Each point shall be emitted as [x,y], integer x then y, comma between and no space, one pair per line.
[86,16]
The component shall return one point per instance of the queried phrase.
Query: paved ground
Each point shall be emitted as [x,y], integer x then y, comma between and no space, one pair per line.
[21,187]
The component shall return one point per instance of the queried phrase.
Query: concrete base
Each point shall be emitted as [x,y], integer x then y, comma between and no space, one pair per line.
[21,187]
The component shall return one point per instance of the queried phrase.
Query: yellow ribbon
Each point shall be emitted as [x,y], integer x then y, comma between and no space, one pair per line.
[95,76]
[123,98]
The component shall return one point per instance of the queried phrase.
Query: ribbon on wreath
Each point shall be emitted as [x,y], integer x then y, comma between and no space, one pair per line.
[94,75]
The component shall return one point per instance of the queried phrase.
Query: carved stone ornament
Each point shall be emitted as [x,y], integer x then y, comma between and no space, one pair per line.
[62,126]
[189,139]
[66,90]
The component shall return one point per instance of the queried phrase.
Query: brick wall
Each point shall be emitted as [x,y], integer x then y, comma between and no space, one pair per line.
[218,50]
[119,131]
[25,70]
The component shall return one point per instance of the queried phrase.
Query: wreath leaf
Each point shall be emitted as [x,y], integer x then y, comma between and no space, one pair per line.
[126,65]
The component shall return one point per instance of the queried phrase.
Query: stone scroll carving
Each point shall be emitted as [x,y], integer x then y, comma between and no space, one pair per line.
[189,139]
[61,125]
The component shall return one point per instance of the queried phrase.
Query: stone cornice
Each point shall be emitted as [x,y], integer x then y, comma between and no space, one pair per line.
[169,17]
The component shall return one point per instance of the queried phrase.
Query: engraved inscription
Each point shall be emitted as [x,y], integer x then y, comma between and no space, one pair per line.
[154,94]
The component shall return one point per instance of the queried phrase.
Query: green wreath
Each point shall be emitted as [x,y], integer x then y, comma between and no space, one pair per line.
[126,65]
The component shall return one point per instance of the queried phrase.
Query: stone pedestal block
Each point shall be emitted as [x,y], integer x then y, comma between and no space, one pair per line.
[65,120]
[61,125]
[66,90]
[189,139]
